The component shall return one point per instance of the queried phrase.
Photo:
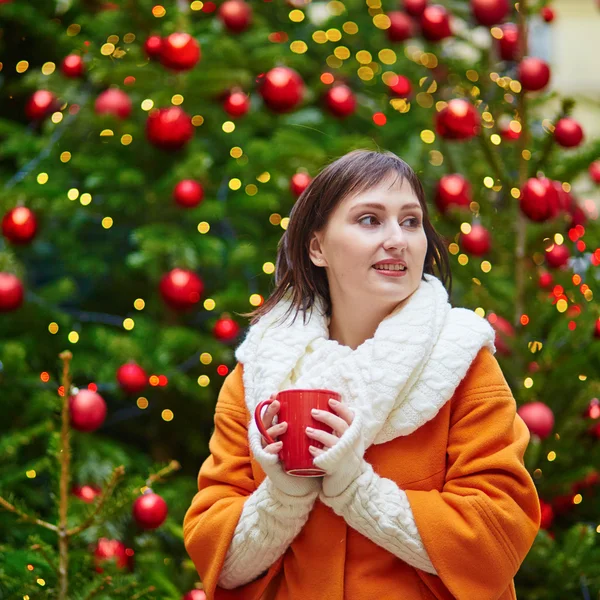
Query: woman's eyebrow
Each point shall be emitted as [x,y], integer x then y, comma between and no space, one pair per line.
[378,206]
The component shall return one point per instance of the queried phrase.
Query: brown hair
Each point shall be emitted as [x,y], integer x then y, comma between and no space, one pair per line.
[351,174]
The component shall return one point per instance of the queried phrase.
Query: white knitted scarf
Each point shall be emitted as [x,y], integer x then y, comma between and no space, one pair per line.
[398,379]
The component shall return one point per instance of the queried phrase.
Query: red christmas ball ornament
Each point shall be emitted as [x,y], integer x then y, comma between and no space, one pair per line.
[538,417]
[539,199]
[72,66]
[509,132]
[181,289]
[153,47]
[597,328]
[169,128]
[19,225]
[557,256]
[107,551]
[477,242]
[504,333]
[11,292]
[568,132]
[40,105]
[435,23]
[113,102]
[194,595]
[489,12]
[132,378]
[236,15]
[459,120]
[226,330]
[87,493]
[594,171]
[282,89]
[179,52]
[188,193]
[401,28]
[452,190]
[340,100]
[400,86]
[508,42]
[593,409]
[545,280]
[547,514]
[299,182]
[87,410]
[149,510]
[415,8]
[236,104]
[547,14]
[533,73]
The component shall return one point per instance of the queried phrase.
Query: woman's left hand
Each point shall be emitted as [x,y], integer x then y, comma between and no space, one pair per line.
[339,422]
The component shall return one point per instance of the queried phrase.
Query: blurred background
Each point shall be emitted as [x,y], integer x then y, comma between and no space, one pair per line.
[150,154]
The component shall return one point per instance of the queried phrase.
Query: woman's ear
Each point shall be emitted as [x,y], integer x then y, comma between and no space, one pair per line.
[315,252]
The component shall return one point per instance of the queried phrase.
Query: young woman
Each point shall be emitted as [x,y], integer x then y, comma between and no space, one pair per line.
[426,495]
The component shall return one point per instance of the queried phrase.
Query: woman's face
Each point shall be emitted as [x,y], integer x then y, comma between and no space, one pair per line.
[358,236]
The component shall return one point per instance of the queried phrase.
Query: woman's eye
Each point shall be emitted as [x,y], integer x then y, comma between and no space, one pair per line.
[366,217]
[413,222]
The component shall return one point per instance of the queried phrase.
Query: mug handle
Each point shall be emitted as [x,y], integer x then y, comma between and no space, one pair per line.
[259,422]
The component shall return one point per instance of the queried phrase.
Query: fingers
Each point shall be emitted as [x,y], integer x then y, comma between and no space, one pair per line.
[270,413]
[338,424]
[327,439]
[273,448]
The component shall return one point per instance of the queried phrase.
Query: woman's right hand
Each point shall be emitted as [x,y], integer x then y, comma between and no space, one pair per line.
[273,430]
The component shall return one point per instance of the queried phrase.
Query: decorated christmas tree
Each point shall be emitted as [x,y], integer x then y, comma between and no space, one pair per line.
[150,155]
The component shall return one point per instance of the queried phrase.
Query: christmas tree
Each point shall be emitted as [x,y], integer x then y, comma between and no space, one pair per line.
[150,156]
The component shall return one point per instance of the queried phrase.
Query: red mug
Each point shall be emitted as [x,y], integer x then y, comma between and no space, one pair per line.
[295,407]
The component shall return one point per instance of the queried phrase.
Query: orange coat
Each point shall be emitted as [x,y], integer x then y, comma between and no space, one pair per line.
[474,503]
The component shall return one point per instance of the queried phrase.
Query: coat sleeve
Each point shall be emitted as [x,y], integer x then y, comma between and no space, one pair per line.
[479,528]
[225,482]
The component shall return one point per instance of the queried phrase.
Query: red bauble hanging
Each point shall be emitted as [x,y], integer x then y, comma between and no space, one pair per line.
[557,256]
[179,52]
[40,105]
[107,551]
[72,66]
[226,330]
[593,409]
[87,410]
[594,171]
[477,242]
[282,89]
[538,417]
[181,289]
[504,333]
[299,182]
[435,23]
[188,193]
[11,292]
[113,102]
[236,104]
[87,493]
[452,190]
[132,378]
[547,14]
[169,128]
[400,86]
[19,225]
[236,15]
[149,510]
[510,134]
[533,73]
[401,28]
[568,132]
[414,8]
[597,328]
[459,120]
[153,47]
[489,12]
[539,199]
[547,515]
[340,100]
[194,595]
[545,280]
[508,43]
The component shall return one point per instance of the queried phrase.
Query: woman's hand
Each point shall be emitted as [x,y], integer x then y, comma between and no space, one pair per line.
[339,423]
[273,430]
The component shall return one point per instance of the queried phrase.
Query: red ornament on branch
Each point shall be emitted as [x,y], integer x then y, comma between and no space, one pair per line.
[459,120]
[236,15]
[113,102]
[188,193]
[11,292]
[299,182]
[340,100]
[538,417]
[179,52]
[545,280]
[72,66]
[19,225]
[477,242]
[40,105]
[153,47]
[594,171]
[547,14]
[504,333]
[87,493]
[226,330]
[533,73]
[547,515]
[597,328]
[132,378]
[236,104]
[489,12]
[557,256]
[539,199]
[112,551]
[401,28]
[181,289]
[508,42]
[435,23]
[568,132]
[169,128]
[149,510]
[452,190]
[400,86]
[87,410]
[282,89]
[415,7]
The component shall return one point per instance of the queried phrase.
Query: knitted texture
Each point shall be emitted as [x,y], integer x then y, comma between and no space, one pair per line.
[269,522]
[378,509]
